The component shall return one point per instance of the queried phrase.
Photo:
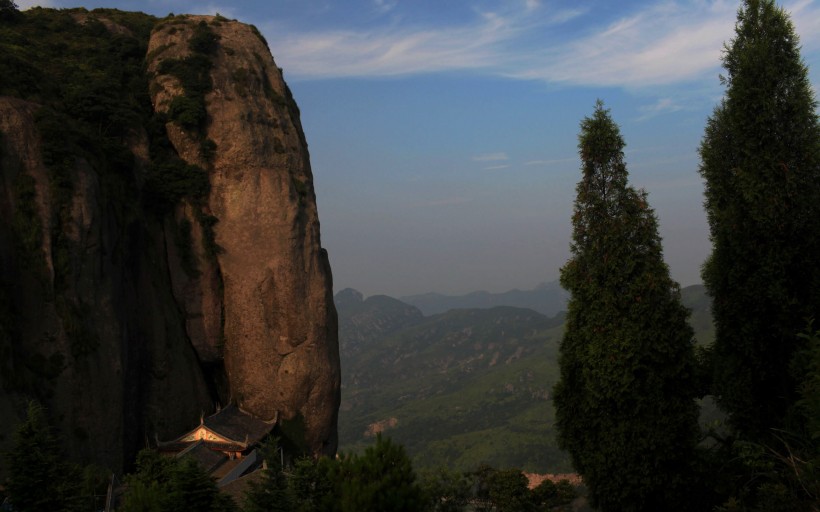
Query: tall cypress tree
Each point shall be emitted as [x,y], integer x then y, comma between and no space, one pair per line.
[759,158]
[625,406]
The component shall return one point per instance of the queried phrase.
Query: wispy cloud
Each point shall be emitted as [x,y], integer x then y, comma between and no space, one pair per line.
[666,42]
[491,157]
[389,51]
[385,6]
[662,106]
[482,43]
[663,42]
[496,167]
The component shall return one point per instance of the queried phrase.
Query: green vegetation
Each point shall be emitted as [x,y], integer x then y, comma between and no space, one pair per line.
[92,89]
[8,10]
[486,376]
[272,492]
[507,491]
[759,154]
[172,180]
[625,404]
[194,74]
[759,158]
[169,484]
[469,410]
[39,478]
[382,478]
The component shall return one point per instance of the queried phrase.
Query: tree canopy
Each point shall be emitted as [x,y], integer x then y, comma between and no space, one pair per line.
[759,159]
[624,403]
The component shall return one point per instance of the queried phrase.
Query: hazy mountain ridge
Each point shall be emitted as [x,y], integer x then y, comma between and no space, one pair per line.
[546,298]
[459,388]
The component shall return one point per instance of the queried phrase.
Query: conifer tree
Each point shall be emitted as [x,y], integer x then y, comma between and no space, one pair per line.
[172,485]
[382,478]
[39,479]
[270,494]
[759,159]
[624,403]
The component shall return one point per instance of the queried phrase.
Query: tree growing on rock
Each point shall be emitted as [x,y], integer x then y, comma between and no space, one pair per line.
[625,406]
[760,162]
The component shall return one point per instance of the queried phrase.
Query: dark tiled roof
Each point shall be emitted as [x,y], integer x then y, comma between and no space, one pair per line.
[235,424]
[237,488]
[173,446]
[204,455]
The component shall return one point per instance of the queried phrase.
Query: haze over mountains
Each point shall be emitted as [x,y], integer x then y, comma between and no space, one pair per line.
[462,387]
[546,298]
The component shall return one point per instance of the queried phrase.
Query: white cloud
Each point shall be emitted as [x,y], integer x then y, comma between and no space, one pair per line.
[491,157]
[496,167]
[664,42]
[662,106]
[389,51]
[481,44]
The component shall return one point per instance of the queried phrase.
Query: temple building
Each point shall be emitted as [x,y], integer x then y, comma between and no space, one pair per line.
[224,444]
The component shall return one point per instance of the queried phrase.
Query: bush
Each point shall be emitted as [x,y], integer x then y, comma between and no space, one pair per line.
[187,112]
[204,41]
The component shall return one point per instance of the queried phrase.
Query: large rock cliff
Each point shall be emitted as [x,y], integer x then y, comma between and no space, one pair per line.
[161,255]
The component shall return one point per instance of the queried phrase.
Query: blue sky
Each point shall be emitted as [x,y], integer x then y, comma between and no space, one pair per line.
[443,134]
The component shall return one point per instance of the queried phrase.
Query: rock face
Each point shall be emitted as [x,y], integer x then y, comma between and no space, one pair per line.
[90,325]
[129,324]
[279,322]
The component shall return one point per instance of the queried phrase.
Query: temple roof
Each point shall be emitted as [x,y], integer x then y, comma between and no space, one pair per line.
[207,458]
[229,429]
[235,424]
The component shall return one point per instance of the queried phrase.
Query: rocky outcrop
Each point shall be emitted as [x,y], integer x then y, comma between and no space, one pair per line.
[130,320]
[90,324]
[279,327]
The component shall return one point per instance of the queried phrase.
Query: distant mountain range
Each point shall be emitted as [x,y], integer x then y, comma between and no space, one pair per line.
[461,387]
[546,298]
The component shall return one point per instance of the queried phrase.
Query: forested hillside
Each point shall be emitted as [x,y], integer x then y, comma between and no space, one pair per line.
[460,388]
